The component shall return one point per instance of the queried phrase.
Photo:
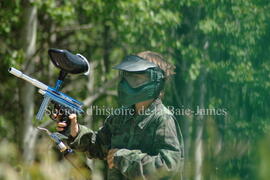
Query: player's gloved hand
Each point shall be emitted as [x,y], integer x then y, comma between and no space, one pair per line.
[110,158]
[62,125]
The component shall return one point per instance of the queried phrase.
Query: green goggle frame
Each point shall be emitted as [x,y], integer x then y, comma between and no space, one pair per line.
[140,78]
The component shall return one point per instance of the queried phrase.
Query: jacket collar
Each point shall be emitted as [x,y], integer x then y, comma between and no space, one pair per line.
[148,114]
[144,118]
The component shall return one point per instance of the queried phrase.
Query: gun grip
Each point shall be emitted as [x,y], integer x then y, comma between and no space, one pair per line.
[43,107]
[66,130]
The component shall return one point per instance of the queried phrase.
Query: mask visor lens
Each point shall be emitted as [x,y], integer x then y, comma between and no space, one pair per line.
[136,79]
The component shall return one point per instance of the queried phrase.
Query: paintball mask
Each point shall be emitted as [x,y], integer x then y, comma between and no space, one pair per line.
[141,80]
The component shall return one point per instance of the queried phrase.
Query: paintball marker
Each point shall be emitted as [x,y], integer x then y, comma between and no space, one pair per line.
[67,63]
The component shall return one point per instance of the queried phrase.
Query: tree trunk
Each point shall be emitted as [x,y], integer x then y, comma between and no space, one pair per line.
[29,29]
[106,47]
[199,123]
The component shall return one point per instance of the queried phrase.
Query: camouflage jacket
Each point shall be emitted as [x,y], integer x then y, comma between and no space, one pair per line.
[150,144]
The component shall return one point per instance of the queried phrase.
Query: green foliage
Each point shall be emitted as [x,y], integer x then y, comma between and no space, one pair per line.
[47,168]
[9,15]
[62,12]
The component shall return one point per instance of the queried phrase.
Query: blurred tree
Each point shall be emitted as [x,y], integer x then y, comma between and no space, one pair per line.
[28,44]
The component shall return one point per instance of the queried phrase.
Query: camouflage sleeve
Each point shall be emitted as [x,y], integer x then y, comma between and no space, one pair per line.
[168,160]
[94,143]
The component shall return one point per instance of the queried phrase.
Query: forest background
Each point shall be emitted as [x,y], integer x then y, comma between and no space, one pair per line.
[221,52]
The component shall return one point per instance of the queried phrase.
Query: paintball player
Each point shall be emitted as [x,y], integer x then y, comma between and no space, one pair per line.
[146,142]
